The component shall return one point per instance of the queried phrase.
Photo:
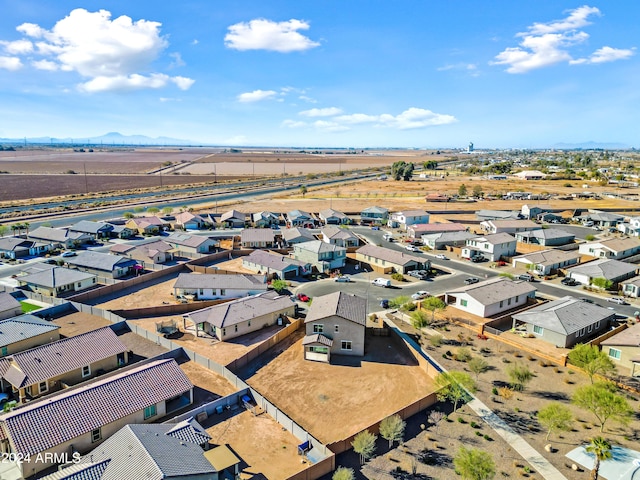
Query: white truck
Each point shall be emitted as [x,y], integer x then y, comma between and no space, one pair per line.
[381,282]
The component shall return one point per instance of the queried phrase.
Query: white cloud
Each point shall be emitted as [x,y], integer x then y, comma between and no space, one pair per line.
[10,63]
[330,126]
[294,124]
[45,65]
[307,99]
[546,44]
[177,60]
[17,47]
[256,96]
[321,112]
[110,53]
[263,34]
[183,83]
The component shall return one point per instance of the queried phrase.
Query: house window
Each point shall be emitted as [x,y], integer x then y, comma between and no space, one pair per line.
[201,291]
[581,333]
[86,371]
[597,324]
[96,435]
[501,303]
[538,330]
[318,328]
[94,280]
[508,301]
[248,323]
[345,345]
[589,328]
[224,332]
[516,299]
[223,292]
[614,353]
[236,327]
[79,284]
[337,328]
[150,411]
[463,303]
[324,350]
[43,387]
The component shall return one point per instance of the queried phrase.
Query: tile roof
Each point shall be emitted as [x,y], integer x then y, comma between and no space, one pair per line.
[548,257]
[495,239]
[629,337]
[88,226]
[147,221]
[632,281]
[272,260]
[494,290]
[122,248]
[330,212]
[232,214]
[264,215]
[449,236]
[337,232]
[186,239]
[389,255]
[71,413]
[99,261]
[498,214]
[546,233]
[426,228]
[317,338]
[19,328]
[11,244]
[186,217]
[411,213]
[375,209]
[257,235]
[38,364]
[318,246]
[512,223]
[80,471]
[296,232]
[618,244]
[609,269]
[237,281]
[54,234]
[242,309]
[348,306]
[295,214]
[55,277]
[565,315]
[8,302]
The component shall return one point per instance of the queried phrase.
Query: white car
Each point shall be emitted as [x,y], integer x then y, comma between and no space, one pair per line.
[442,256]
[618,300]
[412,248]
[68,253]
[420,294]
[342,278]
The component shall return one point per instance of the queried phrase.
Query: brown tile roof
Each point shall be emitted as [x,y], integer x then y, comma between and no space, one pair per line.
[71,413]
[629,337]
[347,306]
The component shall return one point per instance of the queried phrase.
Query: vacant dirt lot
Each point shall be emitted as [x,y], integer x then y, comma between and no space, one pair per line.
[335,401]
[78,323]
[207,380]
[149,294]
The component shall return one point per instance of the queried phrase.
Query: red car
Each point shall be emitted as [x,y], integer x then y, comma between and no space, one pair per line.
[303,298]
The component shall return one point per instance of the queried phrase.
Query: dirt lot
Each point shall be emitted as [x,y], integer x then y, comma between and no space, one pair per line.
[204,379]
[265,448]
[149,294]
[322,398]
[78,323]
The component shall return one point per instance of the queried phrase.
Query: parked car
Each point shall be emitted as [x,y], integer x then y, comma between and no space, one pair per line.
[442,256]
[478,259]
[419,274]
[618,300]
[342,278]
[384,303]
[585,299]
[381,282]
[302,297]
[375,227]
[420,294]
[526,277]
[412,248]
[470,280]
[568,281]
[68,253]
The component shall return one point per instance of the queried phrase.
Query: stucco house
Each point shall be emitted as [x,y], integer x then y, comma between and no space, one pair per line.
[565,322]
[631,287]
[601,219]
[189,221]
[492,247]
[339,236]
[483,215]
[613,270]
[265,219]
[615,248]
[335,325]
[330,216]
[90,415]
[215,286]
[374,215]
[146,225]
[102,264]
[158,251]
[275,265]
[245,315]
[439,241]
[508,226]
[298,218]
[546,237]
[48,368]
[297,235]
[419,229]
[407,217]
[58,237]
[491,297]
[97,230]
[192,244]
[9,306]
[323,256]
[258,238]
[24,332]
[233,219]
[17,247]
[56,281]
[386,260]
[531,212]
[547,262]
[624,349]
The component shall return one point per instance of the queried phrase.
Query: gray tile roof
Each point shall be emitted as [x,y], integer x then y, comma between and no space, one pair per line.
[566,315]
[546,233]
[295,233]
[609,269]
[494,290]
[272,260]
[186,239]
[87,226]
[389,255]
[11,244]
[449,236]
[38,364]
[430,228]
[347,306]
[238,281]
[626,338]
[233,214]
[374,209]
[257,235]
[617,244]
[498,214]
[295,214]
[8,302]
[264,215]
[317,338]
[54,234]
[80,471]
[241,310]
[330,212]
[513,223]
[71,413]
[549,257]
[15,329]
[337,232]
[100,261]
[318,246]
[55,277]
[495,239]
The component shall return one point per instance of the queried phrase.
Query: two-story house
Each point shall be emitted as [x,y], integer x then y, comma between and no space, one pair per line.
[509,226]
[612,248]
[407,218]
[323,256]
[492,247]
[374,215]
[339,236]
[330,216]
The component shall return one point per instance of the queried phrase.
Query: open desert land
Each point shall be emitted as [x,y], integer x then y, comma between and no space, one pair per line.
[321,397]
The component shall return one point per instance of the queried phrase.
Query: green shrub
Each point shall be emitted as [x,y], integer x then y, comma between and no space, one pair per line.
[398,276]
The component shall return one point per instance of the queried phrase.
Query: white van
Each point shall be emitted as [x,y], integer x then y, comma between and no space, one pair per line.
[381,282]
[588,223]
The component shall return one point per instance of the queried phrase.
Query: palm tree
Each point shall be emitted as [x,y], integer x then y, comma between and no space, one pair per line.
[601,449]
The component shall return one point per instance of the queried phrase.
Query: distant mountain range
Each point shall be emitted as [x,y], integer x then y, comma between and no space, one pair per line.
[112,138]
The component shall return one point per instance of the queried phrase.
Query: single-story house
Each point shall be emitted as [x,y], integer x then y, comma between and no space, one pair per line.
[531,212]
[624,349]
[55,281]
[158,251]
[406,218]
[419,229]
[601,219]
[233,219]
[51,367]
[547,262]
[90,414]
[631,287]
[58,237]
[192,244]
[491,297]
[566,321]
[9,306]
[547,237]
[258,238]
[530,175]
[122,231]
[386,260]
[330,216]
[275,265]
[214,286]
[492,247]
[95,229]
[146,225]
[614,248]
[189,221]
[549,217]
[323,256]
[483,215]
[339,236]
[168,451]
[509,226]
[376,215]
[439,241]
[265,219]
[25,331]
[335,325]
[16,247]
[297,235]
[613,270]
[102,264]
[245,315]
[298,218]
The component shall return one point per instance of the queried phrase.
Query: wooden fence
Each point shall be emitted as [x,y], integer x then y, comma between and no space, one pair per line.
[559,360]
[597,341]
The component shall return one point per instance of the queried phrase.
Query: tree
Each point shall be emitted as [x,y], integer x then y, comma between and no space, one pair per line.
[279,285]
[601,450]
[407,172]
[432,304]
[167,210]
[3,230]
[399,301]
[478,365]
[555,416]
[303,190]
[462,190]
[153,210]
[602,400]
[477,191]
[392,429]
[26,225]
[590,238]
[602,283]
[453,386]
[343,473]
[592,360]
[474,464]
[435,418]
[364,444]
[520,375]
[419,319]
[127,215]
[430,165]
[138,209]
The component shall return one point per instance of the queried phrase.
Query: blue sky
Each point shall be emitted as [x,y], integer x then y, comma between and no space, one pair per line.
[332,73]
